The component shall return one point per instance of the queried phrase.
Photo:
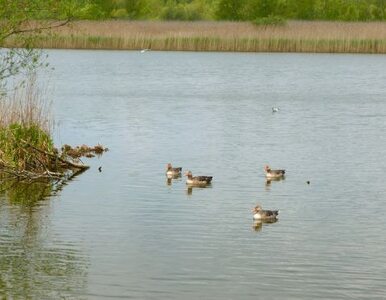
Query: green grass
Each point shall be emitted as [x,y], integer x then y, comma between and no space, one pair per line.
[14,152]
[25,124]
[270,20]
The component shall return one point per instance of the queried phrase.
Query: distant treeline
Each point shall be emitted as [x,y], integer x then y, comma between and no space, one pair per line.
[243,10]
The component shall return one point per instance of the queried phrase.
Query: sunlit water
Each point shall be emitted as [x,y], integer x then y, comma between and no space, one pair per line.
[126,233]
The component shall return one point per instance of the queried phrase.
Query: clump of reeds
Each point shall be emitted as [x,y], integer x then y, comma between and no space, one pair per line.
[26,106]
[295,36]
[25,122]
[26,147]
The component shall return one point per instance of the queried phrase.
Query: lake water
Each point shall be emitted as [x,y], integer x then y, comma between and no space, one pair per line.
[126,233]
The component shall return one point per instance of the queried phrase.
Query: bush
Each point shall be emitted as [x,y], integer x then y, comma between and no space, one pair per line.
[91,12]
[183,12]
[270,20]
[119,13]
[13,140]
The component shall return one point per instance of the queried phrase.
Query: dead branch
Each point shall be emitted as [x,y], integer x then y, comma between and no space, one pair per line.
[66,162]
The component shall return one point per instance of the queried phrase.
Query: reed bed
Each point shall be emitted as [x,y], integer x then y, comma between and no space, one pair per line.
[295,36]
[25,121]
[26,106]
[27,150]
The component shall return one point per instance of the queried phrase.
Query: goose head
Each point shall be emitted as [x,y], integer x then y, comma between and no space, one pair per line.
[256,209]
[267,168]
[169,166]
[188,174]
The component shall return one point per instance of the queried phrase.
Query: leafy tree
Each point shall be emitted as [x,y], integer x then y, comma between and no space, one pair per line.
[266,8]
[230,9]
[19,23]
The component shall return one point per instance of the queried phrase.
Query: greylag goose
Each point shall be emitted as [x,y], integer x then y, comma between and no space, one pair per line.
[170,171]
[269,173]
[197,180]
[264,215]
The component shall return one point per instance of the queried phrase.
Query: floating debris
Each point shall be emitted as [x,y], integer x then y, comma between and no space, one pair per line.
[83,150]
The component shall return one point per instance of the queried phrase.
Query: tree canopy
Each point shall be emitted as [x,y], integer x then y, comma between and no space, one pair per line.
[20,21]
[343,10]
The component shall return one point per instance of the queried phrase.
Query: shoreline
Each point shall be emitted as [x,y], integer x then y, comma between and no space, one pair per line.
[211,36]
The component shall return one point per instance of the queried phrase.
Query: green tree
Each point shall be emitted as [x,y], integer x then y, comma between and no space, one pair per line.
[305,9]
[230,10]
[266,8]
[21,21]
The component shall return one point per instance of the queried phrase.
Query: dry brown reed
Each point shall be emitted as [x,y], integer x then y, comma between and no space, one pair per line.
[26,105]
[295,36]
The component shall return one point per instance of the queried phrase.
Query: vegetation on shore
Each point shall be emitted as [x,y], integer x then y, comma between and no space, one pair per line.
[26,147]
[241,10]
[27,150]
[224,25]
[294,36]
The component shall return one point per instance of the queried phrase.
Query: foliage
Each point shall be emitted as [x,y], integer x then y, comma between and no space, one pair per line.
[181,11]
[91,11]
[25,124]
[16,61]
[230,10]
[270,20]
[19,25]
[347,10]
[14,13]
[13,139]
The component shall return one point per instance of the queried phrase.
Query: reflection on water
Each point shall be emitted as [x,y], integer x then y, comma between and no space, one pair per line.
[258,224]
[25,194]
[171,178]
[31,266]
[268,182]
[190,188]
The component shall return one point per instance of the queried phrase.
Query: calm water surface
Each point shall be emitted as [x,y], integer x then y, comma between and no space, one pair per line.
[125,233]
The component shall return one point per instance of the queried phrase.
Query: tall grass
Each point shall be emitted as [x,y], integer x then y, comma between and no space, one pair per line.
[295,36]
[26,106]
[25,121]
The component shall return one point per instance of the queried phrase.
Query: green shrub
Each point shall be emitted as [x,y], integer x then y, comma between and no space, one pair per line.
[119,13]
[183,12]
[91,11]
[13,146]
[270,20]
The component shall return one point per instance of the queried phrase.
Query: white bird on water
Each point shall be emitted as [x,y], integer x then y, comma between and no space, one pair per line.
[144,50]
[275,109]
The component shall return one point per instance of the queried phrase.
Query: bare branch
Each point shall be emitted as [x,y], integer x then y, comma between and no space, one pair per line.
[36,29]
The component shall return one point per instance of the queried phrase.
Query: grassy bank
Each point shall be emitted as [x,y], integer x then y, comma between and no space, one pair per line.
[27,150]
[295,36]
[25,119]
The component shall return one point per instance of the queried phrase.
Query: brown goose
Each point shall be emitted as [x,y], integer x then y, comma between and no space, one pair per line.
[264,215]
[269,173]
[170,171]
[197,180]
